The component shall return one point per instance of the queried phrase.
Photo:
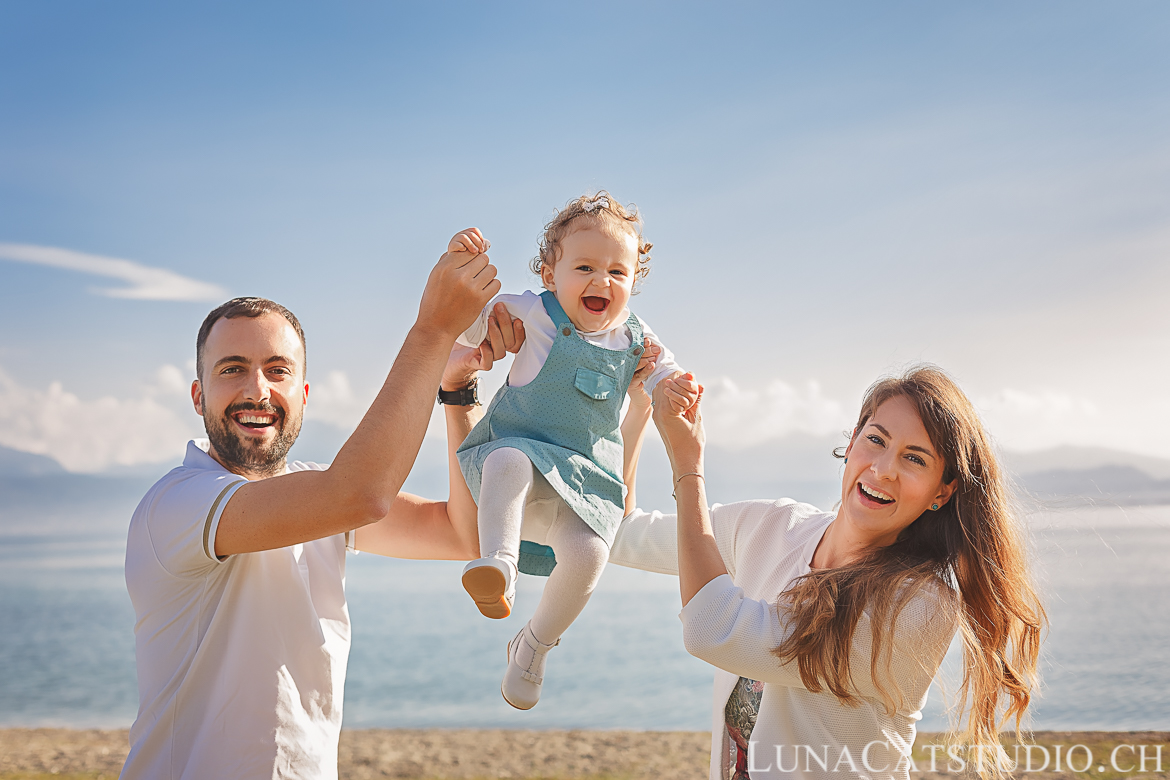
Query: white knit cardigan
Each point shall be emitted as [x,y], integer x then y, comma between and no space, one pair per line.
[733,623]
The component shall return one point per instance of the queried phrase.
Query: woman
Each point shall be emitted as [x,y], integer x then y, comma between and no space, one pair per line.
[827,628]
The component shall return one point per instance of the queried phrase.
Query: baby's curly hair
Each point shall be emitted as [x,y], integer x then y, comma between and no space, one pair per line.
[602,210]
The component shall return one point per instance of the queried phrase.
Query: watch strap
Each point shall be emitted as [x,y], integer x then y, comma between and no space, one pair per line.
[466,396]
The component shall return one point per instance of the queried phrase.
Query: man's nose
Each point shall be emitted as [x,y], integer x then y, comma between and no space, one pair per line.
[257,388]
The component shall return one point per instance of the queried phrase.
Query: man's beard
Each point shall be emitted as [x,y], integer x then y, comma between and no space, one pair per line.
[247,456]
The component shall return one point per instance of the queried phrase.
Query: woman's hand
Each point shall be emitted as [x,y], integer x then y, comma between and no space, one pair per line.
[466,362]
[676,413]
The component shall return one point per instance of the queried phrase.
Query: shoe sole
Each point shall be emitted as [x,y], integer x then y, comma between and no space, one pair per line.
[514,706]
[486,586]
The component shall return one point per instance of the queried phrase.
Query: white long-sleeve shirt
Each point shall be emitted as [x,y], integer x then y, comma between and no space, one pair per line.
[734,624]
[540,333]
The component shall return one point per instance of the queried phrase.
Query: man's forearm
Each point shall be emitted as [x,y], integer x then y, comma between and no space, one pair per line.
[461,508]
[379,455]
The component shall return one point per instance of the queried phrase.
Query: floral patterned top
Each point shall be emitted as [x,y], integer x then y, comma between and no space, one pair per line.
[743,705]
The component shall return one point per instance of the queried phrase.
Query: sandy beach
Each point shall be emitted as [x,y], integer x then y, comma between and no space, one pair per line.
[35,754]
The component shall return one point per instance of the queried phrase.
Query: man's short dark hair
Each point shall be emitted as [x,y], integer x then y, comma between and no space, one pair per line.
[243,307]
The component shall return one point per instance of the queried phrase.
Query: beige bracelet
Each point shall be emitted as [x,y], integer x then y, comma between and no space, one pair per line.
[688,474]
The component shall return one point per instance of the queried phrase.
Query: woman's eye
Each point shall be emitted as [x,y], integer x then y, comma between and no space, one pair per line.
[875,439]
[916,459]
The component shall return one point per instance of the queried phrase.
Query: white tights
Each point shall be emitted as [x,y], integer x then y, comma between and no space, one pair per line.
[516,502]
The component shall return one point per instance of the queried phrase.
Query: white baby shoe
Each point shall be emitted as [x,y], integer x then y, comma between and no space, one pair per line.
[491,583]
[525,674]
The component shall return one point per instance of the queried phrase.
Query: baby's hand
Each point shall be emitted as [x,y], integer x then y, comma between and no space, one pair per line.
[682,392]
[471,241]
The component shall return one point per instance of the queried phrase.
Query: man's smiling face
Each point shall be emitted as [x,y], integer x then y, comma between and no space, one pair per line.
[253,393]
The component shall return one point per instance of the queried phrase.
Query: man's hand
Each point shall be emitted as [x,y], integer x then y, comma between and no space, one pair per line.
[466,362]
[460,285]
[639,398]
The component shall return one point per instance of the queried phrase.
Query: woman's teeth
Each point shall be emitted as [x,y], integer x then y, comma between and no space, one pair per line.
[875,494]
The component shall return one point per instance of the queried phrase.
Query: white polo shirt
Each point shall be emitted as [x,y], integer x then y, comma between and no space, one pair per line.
[241,661]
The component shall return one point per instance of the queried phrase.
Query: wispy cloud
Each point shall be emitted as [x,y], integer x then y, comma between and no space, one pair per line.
[332,400]
[93,435]
[739,417]
[144,283]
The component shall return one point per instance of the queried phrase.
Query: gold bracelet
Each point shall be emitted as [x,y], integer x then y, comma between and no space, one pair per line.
[688,474]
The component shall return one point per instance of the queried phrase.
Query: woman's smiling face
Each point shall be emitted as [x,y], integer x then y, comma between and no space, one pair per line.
[594,277]
[893,474]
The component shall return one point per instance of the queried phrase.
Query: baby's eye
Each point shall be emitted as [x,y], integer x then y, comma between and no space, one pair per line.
[584,268]
[618,272]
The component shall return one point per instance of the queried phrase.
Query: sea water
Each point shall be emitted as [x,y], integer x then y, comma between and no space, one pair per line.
[423,656]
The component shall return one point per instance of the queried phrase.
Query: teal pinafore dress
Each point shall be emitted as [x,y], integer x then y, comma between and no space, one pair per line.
[567,421]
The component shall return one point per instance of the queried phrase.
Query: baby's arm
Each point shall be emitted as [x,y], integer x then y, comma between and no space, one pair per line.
[518,307]
[666,367]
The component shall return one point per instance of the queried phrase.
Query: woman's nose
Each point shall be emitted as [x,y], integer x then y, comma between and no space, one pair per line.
[883,466]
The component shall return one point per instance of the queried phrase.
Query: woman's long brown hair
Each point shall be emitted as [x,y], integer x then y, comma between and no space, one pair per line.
[969,558]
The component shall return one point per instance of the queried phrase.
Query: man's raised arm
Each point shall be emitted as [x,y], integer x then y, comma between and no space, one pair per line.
[363,482]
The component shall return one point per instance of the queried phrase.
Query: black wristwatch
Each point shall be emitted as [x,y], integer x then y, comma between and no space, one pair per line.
[465,397]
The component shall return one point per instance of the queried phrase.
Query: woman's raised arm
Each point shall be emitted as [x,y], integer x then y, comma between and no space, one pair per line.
[677,415]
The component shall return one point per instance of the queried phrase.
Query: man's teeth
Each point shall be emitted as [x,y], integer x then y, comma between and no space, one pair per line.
[872,493]
[255,419]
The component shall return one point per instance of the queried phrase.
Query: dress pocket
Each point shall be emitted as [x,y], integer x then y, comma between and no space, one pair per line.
[597,386]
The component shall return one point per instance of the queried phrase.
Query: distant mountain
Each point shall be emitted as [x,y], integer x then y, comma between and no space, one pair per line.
[31,483]
[1084,459]
[14,463]
[1090,475]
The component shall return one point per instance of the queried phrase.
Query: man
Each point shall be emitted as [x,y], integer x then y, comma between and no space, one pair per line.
[235,561]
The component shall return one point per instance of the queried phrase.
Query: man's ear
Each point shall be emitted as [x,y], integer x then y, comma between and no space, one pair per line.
[197,397]
[305,398]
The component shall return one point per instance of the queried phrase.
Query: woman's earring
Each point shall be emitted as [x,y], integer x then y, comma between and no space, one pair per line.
[934,507]
[847,460]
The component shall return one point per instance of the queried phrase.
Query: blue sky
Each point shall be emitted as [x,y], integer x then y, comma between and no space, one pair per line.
[833,191]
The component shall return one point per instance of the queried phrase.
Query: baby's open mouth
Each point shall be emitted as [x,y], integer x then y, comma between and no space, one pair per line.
[595,303]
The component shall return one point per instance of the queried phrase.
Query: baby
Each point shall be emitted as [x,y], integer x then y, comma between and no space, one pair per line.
[548,452]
